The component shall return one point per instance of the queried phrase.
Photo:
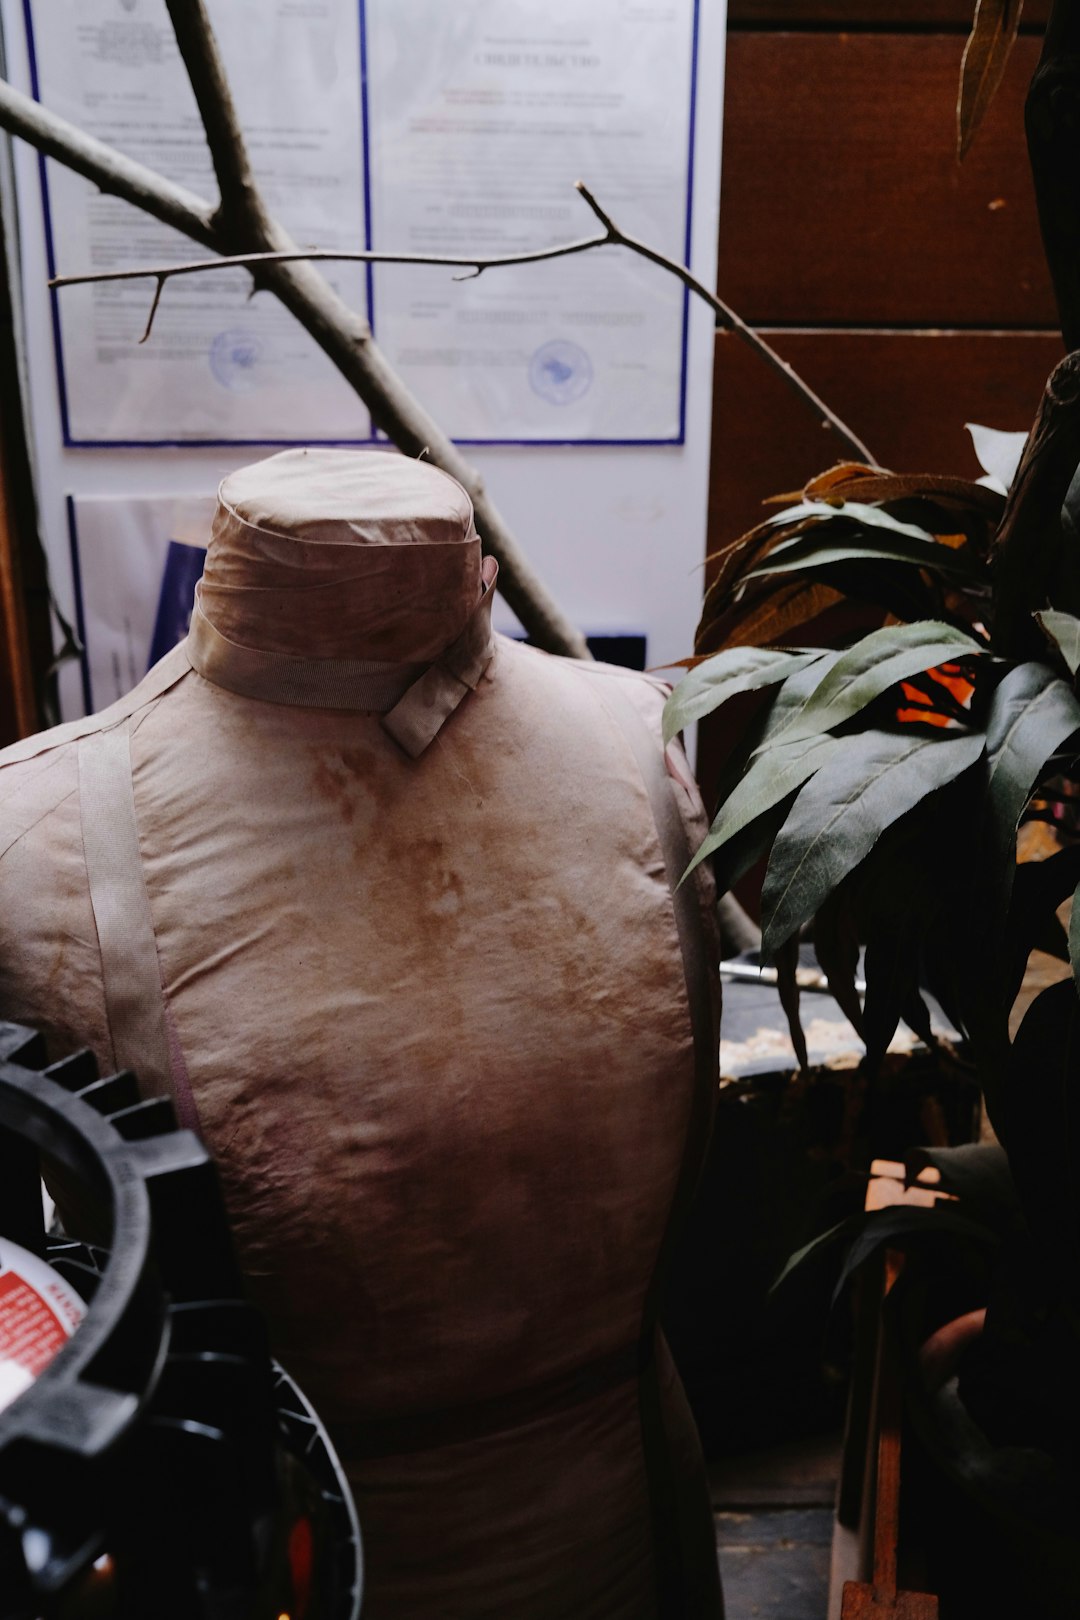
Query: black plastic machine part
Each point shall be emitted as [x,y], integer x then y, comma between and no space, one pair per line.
[161,1465]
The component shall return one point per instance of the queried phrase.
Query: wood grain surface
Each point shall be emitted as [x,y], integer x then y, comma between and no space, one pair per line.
[843,201]
[936,14]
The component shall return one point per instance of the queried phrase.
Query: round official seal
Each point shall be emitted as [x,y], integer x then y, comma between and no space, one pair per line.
[560,372]
[234,360]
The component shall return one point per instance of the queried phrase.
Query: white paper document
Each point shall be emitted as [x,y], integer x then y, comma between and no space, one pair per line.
[465,136]
[217,367]
[483,114]
[135,563]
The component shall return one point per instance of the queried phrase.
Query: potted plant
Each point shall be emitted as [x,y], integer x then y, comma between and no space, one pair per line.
[884,782]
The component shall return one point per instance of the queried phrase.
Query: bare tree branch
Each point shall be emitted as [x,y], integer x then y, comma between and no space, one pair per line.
[109,170]
[158,290]
[736,324]
[241,209]
[241,230]
[342,334]
[252,261]
[612,237]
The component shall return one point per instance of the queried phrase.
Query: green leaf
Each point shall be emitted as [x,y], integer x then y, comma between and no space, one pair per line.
[836,946]
[946,961]
[792,695]
[817,1246]
[874,517]
[890,970]
[869,782]
[746,848]
[897,891]
[735,763]
[916,1015]
[808,553]
[1032,714]
[787,961]
[899,1226]
[1074,938]
[904,1226]
[978,1174]
[1064,631]
[740,669]
[875,663]
[770,778]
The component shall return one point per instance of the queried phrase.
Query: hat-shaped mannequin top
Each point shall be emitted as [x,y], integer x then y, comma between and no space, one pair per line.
[342,554]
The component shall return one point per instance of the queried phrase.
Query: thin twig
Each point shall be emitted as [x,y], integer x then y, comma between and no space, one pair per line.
[187,267]
[613,236]
[158,290]
[735,323]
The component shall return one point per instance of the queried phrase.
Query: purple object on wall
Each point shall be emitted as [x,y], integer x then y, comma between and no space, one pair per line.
[183,569]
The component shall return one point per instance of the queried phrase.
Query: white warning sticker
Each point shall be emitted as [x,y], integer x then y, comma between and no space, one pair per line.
[39,1312]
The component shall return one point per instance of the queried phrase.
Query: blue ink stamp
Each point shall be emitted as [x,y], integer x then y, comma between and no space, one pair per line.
[560,372]
[234,360]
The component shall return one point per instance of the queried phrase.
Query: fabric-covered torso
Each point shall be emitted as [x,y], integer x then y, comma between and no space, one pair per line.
[431,1015]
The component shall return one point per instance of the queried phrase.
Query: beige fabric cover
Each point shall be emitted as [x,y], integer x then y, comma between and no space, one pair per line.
[431,1016]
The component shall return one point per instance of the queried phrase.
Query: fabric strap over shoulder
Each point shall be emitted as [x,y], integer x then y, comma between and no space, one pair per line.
[135,1003]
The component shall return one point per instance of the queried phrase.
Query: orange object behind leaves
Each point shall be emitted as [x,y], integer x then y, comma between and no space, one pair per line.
[944,702]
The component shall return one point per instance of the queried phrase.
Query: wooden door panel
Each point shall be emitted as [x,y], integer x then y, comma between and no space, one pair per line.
[870,14]
[843,201]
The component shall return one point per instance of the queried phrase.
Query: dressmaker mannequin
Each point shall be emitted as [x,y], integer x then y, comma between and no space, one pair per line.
[384,903]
